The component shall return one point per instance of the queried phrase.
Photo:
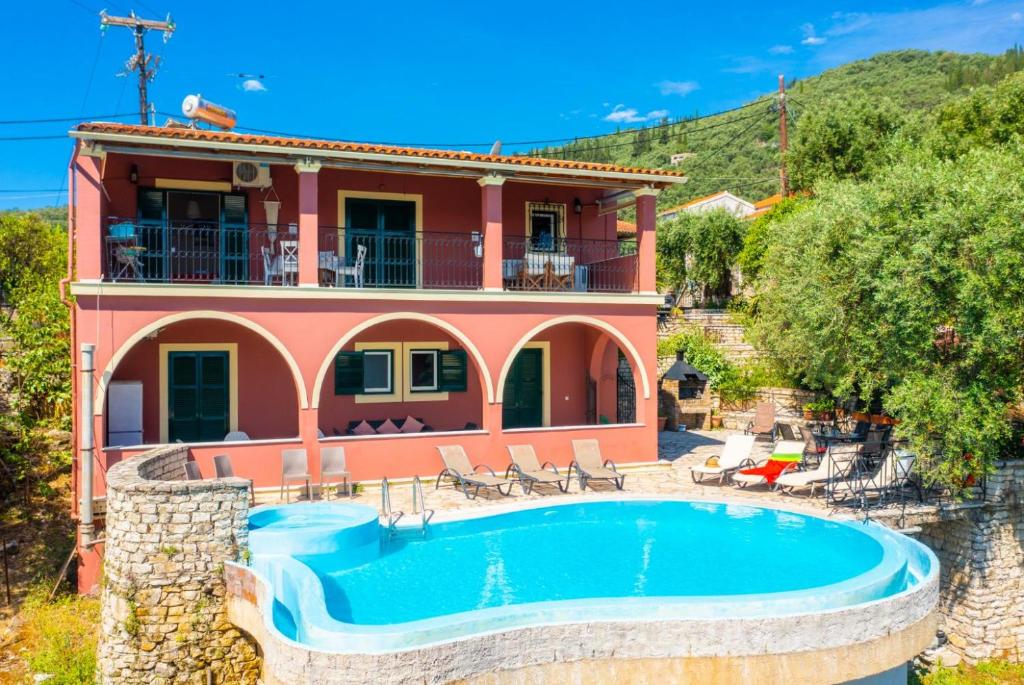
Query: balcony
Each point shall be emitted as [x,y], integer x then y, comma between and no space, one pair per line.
[259,254]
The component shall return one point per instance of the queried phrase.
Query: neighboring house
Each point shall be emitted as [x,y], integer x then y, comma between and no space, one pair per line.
[764,206]
[302,293]
[721,200]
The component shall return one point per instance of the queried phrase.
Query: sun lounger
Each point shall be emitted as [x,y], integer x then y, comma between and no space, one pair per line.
[589,465]
[835,463]
[763,424]
[464,475]
[735,452]
[527,468]
[787,455]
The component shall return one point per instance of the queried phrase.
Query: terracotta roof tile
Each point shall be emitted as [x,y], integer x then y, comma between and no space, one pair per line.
[167,133]
[625,226]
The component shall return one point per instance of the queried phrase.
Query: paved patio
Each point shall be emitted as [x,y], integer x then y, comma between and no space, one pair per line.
[670,476]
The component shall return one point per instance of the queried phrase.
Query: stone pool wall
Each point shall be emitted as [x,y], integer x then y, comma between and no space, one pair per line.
[982,559]
[163,610]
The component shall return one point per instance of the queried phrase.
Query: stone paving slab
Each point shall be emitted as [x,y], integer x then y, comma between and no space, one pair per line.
[670,476]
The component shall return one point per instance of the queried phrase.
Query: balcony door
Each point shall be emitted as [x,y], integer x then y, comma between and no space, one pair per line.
[387,228]
[193,236]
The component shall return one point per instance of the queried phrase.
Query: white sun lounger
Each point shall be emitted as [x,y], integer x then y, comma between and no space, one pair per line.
[735,452]
[833,464]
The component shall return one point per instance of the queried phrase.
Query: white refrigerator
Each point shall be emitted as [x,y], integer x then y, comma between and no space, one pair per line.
[124,413]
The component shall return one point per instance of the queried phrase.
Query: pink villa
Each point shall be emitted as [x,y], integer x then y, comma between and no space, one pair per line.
[246,294]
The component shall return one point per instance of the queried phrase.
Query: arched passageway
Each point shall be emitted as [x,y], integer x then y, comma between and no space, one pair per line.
[569,373]
[196,380]
[401,369]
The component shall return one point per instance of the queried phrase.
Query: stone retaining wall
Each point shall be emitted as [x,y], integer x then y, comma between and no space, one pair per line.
[163,614]
[982,562]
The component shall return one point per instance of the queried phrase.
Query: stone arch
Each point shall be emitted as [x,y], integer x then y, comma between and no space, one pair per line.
[621,340]
[135,338]
[351,334]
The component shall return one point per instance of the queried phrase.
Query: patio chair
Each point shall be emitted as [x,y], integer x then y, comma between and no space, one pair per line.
[786,431]
[528,469]
[332,463]
[590,466]
[534,271]
[273,266]
[763,424]
[463,474]
[295,466]
[890,477]
[786,457]
[735,452]
[355,270]
[192,471]
[836,463]
[222,467]
[811,447]
[561,271]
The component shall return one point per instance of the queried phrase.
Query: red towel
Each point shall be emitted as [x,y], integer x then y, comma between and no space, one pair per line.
[772,470]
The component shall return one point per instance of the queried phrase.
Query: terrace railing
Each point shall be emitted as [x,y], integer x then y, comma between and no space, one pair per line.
[352,257]
[261,254]
[569,264]
[199,252]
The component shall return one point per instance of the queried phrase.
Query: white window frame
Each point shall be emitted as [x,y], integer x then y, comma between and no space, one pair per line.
[390,355]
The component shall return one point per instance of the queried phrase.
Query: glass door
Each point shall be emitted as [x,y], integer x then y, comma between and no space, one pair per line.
[387,229]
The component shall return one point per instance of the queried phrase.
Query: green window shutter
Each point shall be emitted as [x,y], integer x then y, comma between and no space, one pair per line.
[348,373]
[151,205]
[234,209]
[452,374]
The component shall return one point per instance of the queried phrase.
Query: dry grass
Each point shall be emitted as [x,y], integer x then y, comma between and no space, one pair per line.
[57,638]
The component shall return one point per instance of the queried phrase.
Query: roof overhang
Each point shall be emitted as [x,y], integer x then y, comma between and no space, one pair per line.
[155,145]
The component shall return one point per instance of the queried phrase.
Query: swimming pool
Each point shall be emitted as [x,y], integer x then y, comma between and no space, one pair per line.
[338,585]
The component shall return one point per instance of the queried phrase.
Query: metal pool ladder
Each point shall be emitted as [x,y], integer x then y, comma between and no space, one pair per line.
[385,508]
[419,505]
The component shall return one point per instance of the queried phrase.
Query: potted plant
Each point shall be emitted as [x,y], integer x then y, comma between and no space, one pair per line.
[809,411]
[716,420]
[662,419]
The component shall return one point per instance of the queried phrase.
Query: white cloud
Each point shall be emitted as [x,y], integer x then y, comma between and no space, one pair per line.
[966,26]
[811,36]
[682,88]
[780,49]
[630,115]
[847,22]
[252,85]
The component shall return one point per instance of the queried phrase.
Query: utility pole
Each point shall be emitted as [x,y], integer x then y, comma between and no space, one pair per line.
[141,62]
[783,139]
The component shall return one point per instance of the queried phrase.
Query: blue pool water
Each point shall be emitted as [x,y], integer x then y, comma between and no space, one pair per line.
[331,571]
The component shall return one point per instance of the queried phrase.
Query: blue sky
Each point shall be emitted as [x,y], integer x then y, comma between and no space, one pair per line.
[450,73]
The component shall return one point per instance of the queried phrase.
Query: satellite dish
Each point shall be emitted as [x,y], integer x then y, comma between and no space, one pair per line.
[496,148]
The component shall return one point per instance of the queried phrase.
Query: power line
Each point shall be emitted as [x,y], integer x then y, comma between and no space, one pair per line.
[62,136]
[59,120]
[711,155]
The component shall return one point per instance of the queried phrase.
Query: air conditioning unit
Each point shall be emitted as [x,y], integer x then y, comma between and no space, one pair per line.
[250,175]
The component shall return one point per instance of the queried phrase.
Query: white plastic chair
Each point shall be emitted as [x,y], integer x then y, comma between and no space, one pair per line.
[272,266]
[355,271]
[236,436]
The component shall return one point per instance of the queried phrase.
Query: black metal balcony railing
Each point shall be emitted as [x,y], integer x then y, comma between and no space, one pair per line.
[261,254]
[362,258]
[568,264]
[198,252]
